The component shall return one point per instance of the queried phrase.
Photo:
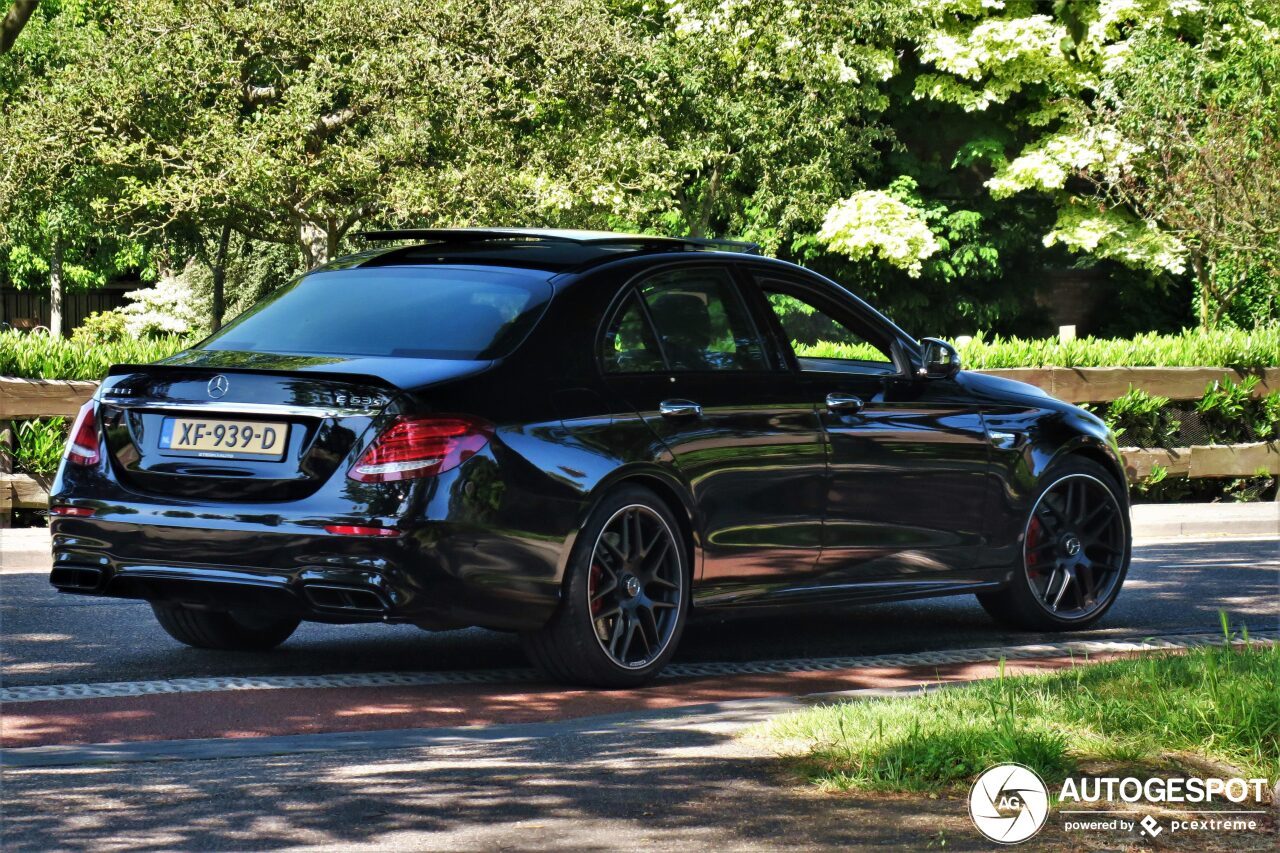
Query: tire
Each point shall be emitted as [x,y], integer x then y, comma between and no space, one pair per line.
[242,631]
[583,642]
[1067,577]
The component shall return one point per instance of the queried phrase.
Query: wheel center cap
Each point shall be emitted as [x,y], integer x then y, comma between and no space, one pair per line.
[631,585]
[1071,545]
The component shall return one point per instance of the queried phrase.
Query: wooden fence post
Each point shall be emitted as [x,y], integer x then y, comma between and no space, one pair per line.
[8,430]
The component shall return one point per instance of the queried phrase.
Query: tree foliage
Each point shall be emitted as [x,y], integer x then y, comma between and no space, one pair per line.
[937,154]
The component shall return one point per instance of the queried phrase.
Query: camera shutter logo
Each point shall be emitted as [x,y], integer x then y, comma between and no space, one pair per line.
[1009,803]
[218,386]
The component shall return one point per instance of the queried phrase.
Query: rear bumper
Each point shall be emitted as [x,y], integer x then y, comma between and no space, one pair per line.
[438,575]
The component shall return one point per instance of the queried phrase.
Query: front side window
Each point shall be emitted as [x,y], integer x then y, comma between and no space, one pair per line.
[700,322]
[821,341]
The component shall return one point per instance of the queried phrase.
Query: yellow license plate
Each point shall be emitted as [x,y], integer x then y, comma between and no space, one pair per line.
[224,439]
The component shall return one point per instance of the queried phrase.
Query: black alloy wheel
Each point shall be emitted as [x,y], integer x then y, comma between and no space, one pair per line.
[635,586]
[625,600]
[1075,552]
[1073,546]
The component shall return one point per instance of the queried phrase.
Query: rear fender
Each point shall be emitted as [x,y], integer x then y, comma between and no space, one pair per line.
[668,486]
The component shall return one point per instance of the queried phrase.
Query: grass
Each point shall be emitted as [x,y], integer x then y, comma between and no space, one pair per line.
[1190,348]
[1220,703]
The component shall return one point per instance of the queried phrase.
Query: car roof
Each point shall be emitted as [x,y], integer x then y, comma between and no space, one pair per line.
[554,251]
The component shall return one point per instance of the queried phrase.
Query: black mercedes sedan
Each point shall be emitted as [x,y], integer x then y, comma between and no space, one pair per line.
[582,437]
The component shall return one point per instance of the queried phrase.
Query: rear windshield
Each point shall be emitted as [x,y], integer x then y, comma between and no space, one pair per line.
[408,312]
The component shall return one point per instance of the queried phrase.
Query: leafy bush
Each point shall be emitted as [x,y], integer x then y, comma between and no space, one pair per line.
[1139,419]
[40,444]
[830,349]
[169,308]
[1191,348]
[1230,414]
[101,327]
[1221,348]
[42,356]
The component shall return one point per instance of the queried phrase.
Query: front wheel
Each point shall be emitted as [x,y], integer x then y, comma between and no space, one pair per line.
[1075,552]
[626,597]
[246,631]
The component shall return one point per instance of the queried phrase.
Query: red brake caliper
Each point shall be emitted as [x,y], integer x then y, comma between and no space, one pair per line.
[593,587]
[1034,534]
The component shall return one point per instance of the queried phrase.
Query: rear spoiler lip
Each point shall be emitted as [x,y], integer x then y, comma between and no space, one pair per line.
[122,369]
[353,377]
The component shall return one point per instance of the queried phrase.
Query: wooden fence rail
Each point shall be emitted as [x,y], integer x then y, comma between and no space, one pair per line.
[22,399]
[1104,384]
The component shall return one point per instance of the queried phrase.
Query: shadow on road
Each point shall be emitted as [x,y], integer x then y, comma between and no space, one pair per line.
[673,787]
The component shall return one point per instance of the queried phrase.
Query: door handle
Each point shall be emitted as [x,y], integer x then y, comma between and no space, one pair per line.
[844,403]
[679,409]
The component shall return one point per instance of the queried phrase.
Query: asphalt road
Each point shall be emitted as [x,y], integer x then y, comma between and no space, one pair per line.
[662,780]
[49,638]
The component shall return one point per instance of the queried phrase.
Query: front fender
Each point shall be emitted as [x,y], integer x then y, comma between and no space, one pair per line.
[1046,432]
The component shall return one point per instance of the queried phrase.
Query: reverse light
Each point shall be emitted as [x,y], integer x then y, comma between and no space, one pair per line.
[82,445]
[421,447]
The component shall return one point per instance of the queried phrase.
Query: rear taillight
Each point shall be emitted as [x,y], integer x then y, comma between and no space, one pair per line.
[71,511]
[358,530]
[82,445]
[421,447]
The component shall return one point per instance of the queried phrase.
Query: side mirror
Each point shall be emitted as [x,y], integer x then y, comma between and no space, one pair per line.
[939,359]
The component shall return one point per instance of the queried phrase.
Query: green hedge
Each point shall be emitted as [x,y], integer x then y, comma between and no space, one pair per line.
[1191,348]
[40,356]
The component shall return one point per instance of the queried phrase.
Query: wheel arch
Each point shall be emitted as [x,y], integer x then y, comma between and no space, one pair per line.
[1087,447]
[669,488]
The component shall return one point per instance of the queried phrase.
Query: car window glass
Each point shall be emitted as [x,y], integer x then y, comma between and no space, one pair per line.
[402,312]
[628,345]
[821,342]
[700,321]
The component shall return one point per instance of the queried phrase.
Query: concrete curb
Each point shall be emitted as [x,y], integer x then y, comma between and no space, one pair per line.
[1203,521]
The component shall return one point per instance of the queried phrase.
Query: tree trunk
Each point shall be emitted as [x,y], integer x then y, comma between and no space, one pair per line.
[55,287]
[14,21]
[220,279]
[1203,279]
[315,241]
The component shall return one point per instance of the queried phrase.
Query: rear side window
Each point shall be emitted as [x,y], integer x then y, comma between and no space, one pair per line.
[698,323]
[402,312]
[628,345]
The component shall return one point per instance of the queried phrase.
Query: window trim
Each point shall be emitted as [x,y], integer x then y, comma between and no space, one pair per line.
[631,289]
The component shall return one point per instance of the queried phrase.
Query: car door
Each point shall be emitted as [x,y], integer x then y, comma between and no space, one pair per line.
[908,457]
[682,349]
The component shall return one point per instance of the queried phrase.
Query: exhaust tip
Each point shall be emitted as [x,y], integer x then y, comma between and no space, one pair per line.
[77,578]
[347,599]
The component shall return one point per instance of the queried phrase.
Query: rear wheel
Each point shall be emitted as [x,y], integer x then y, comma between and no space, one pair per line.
[625,598]
[1075,552]
[235,630]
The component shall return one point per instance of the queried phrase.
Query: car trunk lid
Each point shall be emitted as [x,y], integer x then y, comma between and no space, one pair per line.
[235,426]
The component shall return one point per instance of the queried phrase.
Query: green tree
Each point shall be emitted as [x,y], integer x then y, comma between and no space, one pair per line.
[1199,119]
[52,184]
[14,21]
[295,122]
[1143,121]
[749,119]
